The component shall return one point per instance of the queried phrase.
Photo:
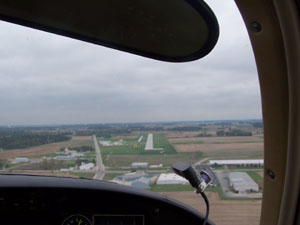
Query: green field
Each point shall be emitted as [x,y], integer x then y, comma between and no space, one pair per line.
[165,159]
[134,151]
[77,143]
[89,155]
[160,141]
[132,146]
[239,154]
[110,176]
[117,169]
[255,176]
[188,142]
[48,165]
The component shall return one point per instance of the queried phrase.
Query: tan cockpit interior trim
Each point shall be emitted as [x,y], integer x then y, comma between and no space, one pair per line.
[266,38]
[288,16]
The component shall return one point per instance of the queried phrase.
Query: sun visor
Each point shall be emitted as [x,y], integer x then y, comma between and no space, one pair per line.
[168,30]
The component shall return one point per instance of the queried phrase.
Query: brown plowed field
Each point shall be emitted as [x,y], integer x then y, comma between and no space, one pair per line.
[34,151]
[44,174]
[43,149]
[218,139]
[81,138]
[222,212]
[123,137]
[182,134]
[208,148]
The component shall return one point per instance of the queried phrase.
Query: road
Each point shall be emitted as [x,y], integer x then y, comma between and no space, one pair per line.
[201,161]
[100,172]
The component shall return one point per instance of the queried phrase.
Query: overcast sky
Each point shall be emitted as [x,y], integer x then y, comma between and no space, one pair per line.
[48,79]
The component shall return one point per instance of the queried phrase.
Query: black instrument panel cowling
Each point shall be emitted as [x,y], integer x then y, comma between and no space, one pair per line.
[50,200]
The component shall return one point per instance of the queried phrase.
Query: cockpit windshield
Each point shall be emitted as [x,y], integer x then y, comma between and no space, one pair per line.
[70,108]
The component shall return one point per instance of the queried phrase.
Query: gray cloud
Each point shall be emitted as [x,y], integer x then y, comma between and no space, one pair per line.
[51,79]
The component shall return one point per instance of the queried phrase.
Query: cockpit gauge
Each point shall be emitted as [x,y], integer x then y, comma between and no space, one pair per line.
[77,220]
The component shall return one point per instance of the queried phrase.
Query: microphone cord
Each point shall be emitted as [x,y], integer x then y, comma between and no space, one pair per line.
[207,205]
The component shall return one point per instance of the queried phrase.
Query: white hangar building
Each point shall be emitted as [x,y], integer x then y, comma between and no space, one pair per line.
[241,162]
[242,182]
[171,178]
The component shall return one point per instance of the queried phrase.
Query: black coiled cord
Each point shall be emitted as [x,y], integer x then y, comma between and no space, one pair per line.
[207,205]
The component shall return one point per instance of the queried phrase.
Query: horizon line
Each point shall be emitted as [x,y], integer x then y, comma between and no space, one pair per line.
[111,123]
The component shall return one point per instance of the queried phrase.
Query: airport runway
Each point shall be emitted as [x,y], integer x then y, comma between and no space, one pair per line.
[141,138]
[149,143]
[100,172]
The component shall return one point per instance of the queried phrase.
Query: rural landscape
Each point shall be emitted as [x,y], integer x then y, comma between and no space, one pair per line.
[141,155]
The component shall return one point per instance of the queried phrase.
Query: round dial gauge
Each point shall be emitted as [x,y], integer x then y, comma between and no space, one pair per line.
[76,220]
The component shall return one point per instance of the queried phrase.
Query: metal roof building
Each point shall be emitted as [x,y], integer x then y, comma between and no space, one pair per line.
[237,162]
[139,180]
[87,166]
[132,176]
[171,178]
[21,159]
[142,182]
[138,165]
[242,182]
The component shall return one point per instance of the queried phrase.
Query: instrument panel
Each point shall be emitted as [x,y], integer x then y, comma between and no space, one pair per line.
[105,220]
[31,200]
[77,220]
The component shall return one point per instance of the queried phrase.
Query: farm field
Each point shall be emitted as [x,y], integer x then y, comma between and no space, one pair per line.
[222,212]
[186,134]
[47,165]
[129,146]
[221,147]
[40,173]
[123,137]
[45,149]
[239,147]
[56,174]
[34,151]
[81,138]
[206,148]
[132,146]
[261,173]
[215,140]
[165,159]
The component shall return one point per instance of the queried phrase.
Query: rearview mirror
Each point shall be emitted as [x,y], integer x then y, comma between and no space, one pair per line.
[168,30]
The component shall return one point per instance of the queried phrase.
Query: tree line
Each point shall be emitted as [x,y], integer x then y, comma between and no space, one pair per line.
[21,140]
[234,132]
